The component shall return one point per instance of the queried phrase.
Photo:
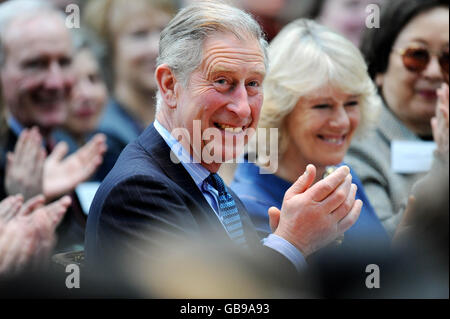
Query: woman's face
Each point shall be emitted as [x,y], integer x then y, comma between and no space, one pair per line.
[322,125]
[136,46]
[347,17]
[89,95]
[411,95]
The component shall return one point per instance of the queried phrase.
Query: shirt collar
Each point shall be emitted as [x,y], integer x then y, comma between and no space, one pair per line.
[196,170]
[15,126]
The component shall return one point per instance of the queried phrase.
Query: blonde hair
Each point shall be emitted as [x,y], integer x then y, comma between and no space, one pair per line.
[304,57]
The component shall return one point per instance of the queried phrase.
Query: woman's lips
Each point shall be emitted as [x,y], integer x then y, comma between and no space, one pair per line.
[428,94]
[85,113]
[333,140]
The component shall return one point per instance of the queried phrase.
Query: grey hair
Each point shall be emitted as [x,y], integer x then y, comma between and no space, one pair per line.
[13,9]
[181,42]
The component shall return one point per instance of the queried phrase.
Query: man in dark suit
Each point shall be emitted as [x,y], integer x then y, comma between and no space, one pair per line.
[210,71]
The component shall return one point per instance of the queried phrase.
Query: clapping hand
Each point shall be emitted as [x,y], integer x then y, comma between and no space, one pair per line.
[25,166]
[311,217]
[62,175]
[27,231]
[440,123]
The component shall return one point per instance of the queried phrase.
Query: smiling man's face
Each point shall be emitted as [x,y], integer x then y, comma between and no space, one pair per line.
[224,93]
[36,76]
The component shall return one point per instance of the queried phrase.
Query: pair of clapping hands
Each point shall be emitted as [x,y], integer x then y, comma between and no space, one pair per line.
[27,232]
[27,229]
[313,216]
[30,172]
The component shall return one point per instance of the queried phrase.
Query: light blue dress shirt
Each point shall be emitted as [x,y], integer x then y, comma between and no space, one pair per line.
[199,175]
[15,126]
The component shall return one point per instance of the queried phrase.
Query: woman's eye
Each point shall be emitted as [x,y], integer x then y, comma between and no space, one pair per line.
[321,106]
[140,34]
[94,78]
[351,103]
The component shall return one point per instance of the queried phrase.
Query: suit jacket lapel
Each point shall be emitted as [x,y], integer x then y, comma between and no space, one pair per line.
[159,151]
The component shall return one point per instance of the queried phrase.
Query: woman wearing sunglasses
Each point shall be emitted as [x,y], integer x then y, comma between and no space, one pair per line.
[408,59]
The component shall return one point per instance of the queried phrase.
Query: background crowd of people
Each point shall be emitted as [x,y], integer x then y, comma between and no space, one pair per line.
[339,93]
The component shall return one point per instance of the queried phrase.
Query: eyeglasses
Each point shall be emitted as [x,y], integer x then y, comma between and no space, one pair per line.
[416,59]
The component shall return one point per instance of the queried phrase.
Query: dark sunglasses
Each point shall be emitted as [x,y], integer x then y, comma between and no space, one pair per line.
[417,59]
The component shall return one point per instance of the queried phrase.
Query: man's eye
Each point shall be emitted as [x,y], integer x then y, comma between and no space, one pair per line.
[65,62]
[222,81]
[253,84]
[35,64]
[351,103]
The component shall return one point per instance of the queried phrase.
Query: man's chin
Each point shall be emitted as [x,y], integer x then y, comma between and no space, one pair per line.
[220,154]
[52,121]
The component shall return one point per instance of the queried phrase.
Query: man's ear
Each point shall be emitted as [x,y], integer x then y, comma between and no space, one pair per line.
[167,83]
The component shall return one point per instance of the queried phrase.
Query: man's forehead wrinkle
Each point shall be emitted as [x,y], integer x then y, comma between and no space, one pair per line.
[219,67]
[217,60]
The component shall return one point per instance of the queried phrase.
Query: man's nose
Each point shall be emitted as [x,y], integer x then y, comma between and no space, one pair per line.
[82,90]
[56,77]
[240,104]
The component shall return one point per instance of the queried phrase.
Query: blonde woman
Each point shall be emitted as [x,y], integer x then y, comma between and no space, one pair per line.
[319,96]
[130,31]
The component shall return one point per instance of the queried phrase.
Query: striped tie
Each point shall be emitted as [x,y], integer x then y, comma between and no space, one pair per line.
[228,210]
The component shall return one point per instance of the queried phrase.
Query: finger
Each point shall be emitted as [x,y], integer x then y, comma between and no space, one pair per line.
[302,183]
[9,205]
[20,144]
[345,208]
[40,166]
[9,163]
[338,197]
[27,249]
[92,166]
[56,211]
[14,209]
[434,128]
[59,152]
[443,95]
[408,214]
[274,218]
[328,185]
[96,146]
[351,218]
[5,204]
[31,205]
[33,150]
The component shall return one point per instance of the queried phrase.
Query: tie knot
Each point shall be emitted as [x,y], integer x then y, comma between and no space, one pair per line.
[216,181]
